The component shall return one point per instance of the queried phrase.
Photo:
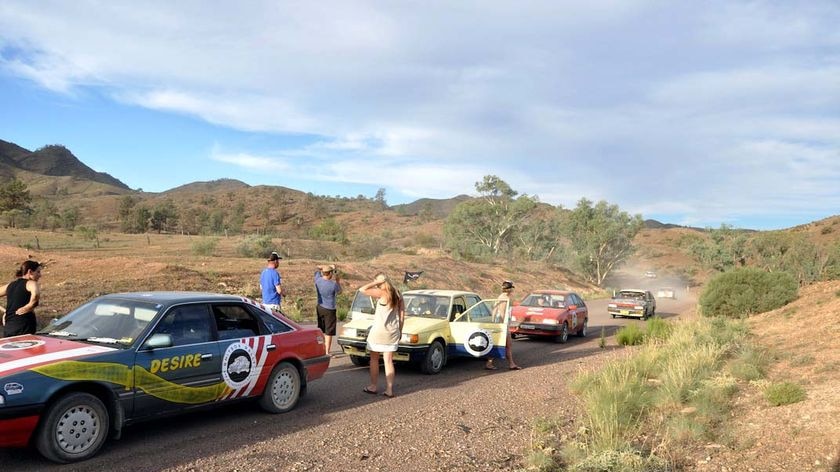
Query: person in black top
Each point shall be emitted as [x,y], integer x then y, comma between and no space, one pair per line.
[22,297]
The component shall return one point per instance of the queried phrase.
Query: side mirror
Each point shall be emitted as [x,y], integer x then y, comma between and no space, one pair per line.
[158,340]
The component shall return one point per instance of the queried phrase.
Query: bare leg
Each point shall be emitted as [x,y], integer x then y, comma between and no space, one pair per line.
[389,372]
[509,352]
[374,371]
[328,342]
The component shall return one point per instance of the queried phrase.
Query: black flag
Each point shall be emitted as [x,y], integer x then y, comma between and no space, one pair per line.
[409,276]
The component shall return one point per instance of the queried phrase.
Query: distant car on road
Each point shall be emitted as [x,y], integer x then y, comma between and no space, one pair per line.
[122,358]
[634,303]
[650,274]
[666,292]
[550,313]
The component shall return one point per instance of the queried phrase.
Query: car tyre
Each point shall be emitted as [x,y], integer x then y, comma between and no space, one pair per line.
[360,361]
[435,359]
[74,428]
[563,337]
[283,389]
[613,316]
[582,331]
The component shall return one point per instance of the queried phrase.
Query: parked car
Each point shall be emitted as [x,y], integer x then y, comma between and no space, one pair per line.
[551,313]
[122,358]
[666,292]
[439,324]
[362,307]
[632,303]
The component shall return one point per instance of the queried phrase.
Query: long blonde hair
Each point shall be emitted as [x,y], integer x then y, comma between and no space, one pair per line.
[394,295]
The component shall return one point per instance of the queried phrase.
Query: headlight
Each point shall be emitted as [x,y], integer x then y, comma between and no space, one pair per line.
[550,321]
[513,318]
[612,305]
[409,338]
[2,400]
[638,307]
[349,332]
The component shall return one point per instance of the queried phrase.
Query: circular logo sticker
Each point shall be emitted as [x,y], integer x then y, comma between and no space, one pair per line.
[17,345]
[478,343]
[237,364]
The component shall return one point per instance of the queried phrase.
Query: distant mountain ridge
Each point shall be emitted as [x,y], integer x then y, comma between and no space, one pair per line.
[52,160]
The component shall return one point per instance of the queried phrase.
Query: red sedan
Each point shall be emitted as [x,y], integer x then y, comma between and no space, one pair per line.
[552,313]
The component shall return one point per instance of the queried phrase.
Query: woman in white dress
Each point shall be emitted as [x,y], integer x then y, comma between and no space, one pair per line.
[384,334]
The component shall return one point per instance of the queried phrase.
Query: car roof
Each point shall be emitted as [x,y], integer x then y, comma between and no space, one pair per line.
[168,298]
[550,292]
[633,290]
[445,293]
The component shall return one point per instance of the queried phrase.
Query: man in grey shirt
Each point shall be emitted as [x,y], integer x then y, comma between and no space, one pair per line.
[327,286]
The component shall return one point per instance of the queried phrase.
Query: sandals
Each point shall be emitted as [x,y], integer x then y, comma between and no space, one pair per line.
[516,367]
[491,367]
[367,390]
[387,395]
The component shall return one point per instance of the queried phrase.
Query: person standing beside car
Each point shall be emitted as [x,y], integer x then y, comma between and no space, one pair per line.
[271,283]
[385,332]
[22,296]
[501,311]
[327,287]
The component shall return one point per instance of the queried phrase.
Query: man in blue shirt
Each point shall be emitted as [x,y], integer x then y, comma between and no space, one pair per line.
[271,283]
[327,286]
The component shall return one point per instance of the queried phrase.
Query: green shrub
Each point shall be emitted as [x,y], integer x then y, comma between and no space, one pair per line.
[750,364]
[630,335]
[256,246]
[658,329]
[342,306]
[205,246]
[329,230]
[746,291]
[784,393]
[602,341]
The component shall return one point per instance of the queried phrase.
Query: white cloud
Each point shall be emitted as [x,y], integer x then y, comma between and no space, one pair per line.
[697,111]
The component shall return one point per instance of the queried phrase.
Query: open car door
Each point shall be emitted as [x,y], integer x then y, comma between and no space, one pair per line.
[481,331]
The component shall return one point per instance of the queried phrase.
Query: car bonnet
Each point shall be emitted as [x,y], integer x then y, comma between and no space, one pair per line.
[21,353]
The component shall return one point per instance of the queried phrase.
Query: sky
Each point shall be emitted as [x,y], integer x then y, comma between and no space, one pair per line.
[691,113]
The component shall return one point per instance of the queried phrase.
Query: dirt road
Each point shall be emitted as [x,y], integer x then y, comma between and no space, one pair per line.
[465,418]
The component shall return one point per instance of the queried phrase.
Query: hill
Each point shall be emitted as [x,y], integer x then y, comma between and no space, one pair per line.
[436,208]
[52,160]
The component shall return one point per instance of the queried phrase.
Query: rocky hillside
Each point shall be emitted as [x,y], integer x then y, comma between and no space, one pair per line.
[52,160]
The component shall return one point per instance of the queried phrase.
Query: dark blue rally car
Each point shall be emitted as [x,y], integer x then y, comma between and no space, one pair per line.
[128,357]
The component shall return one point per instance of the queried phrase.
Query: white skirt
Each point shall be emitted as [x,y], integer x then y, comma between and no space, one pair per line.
[376,347]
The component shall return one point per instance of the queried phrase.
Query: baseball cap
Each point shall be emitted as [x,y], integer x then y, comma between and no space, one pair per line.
[274,256]
[507,284]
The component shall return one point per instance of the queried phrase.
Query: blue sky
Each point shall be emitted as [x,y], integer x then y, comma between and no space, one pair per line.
[694,113]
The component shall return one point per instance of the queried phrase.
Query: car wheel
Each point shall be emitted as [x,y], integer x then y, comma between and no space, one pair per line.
[582,332]
[564,334]
[613,316]
[434,360]
[513,335]
[360,361]
[283,389]
[74,428]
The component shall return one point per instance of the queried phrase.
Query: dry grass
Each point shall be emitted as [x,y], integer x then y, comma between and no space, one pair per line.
[78,271]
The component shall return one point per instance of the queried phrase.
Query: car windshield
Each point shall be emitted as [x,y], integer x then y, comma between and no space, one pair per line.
[363,304]
[107,321]
[544,300]
[427,306]
[629,294]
